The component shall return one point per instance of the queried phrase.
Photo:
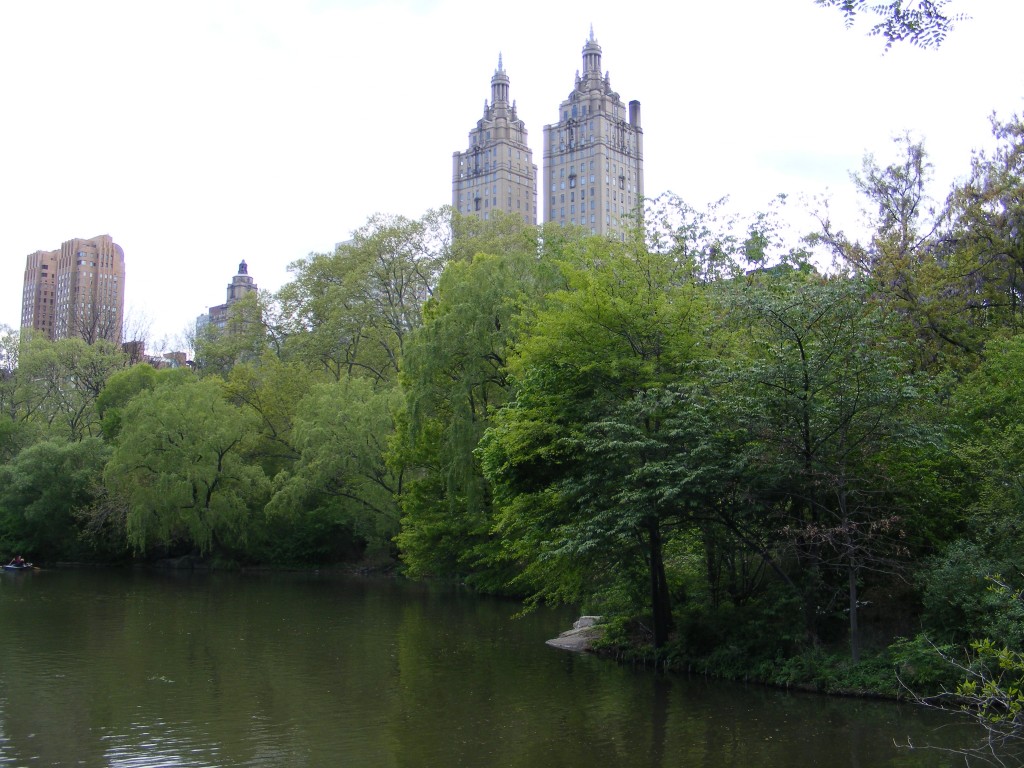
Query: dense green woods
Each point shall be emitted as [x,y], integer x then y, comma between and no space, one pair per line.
[757,465]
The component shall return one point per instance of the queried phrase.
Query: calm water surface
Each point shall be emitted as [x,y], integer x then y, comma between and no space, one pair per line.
[143,669]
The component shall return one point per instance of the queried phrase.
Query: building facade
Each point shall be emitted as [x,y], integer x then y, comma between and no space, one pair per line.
[241,285]
[594,155]
[496,172]
[76,291]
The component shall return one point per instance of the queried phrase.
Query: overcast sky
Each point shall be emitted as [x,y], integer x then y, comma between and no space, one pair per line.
[200,132]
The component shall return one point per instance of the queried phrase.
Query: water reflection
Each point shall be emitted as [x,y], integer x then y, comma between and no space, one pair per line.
[122,669]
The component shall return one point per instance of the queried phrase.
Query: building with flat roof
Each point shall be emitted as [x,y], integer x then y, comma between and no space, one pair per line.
[594,155]
[76,291]
[496,172]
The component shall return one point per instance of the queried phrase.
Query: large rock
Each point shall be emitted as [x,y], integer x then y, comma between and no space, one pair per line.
[580,639]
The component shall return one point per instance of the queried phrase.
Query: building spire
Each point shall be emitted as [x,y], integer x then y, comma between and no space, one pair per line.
[591,56]
[499,85]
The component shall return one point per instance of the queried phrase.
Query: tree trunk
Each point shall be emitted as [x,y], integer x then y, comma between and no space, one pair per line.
[854,629]
[661,602]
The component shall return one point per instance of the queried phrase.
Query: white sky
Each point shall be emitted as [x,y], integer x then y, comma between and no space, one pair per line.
[201,132]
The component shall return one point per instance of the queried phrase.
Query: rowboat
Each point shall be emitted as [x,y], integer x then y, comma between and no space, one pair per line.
[22,567]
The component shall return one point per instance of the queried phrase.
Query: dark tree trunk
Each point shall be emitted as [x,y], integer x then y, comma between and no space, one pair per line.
[854,626]
[661,602]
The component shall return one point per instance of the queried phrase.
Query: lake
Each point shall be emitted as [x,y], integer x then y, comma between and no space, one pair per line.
[141,668]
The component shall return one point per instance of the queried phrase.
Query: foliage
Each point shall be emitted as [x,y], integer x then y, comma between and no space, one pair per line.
[270,389]
[988,418]
[118,390]
[984,244]
[351,312]
[454,378]
[60,383]
[181,466]
[575,458]
[341,477]
[41,490]
[825,393]
[252,329]
[923,23]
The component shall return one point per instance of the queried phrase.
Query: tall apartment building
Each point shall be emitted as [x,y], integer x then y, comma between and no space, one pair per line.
[594,155]
[76,291]
[241,284]
[496,172]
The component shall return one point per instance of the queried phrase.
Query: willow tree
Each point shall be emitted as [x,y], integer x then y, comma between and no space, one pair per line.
[454,379]
[181,467]
[341,483]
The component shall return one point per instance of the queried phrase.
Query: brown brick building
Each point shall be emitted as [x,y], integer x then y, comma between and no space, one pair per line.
[76,291]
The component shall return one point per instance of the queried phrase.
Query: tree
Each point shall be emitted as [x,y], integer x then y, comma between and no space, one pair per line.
[119,389]
[13,413]
[988,441]
[985,244]
[252,329]
[271,390]
[908,260]
[181,467]
[454,378]
[923,23]
[825,394]
[350,312]
[341,478]
[577,459]
[42,488]
[62,381]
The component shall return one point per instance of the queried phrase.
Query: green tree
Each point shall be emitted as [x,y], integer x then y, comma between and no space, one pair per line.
[985,243]
[253,328]
[351,312]
[121,387]
[41,489]
[454,378]
[988,423]
[827,397]
[271,389]
[15,432]
[579,459]
[61,381]
[181,467]
[341,479]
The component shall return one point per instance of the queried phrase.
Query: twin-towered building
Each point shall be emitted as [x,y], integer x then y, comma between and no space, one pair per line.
[593,157]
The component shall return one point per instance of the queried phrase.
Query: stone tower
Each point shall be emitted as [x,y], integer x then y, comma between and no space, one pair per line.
[496,172]
[594,155]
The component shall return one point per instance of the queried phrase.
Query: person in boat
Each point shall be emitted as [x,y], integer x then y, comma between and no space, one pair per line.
[18,561]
